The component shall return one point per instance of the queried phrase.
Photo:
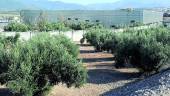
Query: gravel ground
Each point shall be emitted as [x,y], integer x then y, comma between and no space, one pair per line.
[156,85]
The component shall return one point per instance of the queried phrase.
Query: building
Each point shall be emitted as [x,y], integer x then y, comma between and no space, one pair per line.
[7,17]
[108,18]
[166,19]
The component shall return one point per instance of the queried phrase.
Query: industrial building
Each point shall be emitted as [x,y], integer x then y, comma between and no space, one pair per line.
[108,18]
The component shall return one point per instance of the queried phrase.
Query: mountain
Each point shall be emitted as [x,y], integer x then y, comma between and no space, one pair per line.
[38,4]
[131,4]
[57,5]
[13,5]
[54,5]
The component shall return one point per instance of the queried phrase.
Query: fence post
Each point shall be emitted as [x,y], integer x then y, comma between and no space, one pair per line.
[72,34]
[30,34]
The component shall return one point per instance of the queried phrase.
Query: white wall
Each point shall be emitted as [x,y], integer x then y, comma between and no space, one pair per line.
[75,35]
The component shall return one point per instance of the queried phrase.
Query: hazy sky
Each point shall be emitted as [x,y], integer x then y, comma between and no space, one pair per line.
[84,2]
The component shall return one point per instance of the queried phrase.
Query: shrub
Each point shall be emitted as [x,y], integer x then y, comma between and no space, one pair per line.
[153,57]
[71,47]
[79,25]
[143,49]
[18,27]
[42,25]
[82,40]
[46,26]
[98,37]
[40,63]
[111,43]
[6,44]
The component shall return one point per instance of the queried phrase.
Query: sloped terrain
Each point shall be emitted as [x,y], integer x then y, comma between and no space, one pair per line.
[156,85]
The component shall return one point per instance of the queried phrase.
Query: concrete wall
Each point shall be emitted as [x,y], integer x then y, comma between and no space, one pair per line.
[75,36]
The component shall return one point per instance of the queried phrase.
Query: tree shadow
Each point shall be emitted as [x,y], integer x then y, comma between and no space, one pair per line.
[103,65]
[5,92]
[104,76]
[87,51]
[78,43]
[91,60]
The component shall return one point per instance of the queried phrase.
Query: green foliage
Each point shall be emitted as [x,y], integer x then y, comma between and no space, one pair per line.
[18,27]
[60,26]
[46,26]
[38,64]
[6,44]
[135,24]
[153,56]
[146,49]
[98,37]
[79,25]
[82,40]
[71,47]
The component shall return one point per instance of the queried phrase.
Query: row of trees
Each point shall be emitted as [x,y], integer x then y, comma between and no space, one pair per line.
[146,49]
[44,26]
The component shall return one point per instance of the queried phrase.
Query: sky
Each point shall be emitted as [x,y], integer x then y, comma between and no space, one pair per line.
[85,2]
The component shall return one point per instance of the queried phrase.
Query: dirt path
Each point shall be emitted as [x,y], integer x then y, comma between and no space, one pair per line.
[102,76]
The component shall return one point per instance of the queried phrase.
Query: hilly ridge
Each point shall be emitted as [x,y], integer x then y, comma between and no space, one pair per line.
[57,5]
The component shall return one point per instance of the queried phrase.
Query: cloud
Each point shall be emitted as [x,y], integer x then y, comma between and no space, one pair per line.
[85,2]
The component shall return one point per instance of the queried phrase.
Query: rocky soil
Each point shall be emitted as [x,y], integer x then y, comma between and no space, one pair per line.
[157,85]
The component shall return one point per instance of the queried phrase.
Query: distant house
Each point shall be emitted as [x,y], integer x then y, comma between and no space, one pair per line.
[109,18]
[166,19]
[6,18]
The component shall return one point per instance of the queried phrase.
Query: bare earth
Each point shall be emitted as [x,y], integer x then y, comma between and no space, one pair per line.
[102,76]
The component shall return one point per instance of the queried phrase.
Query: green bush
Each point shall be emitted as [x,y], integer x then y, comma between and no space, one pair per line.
[6,44]
[144,49]
[153,56]
[79,25]
[18,27]
[82,40]
[46,26]
[71,47]
[40,63]
[98,37]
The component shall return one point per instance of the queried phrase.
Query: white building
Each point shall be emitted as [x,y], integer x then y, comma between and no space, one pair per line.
[108,18]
